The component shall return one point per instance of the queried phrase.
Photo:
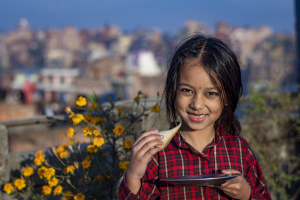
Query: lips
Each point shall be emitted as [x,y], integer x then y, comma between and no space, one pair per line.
[197,118]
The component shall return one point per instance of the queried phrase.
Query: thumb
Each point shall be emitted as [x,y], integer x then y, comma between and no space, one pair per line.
[230,171]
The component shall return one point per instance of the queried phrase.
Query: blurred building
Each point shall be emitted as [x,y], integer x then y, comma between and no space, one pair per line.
[66,61]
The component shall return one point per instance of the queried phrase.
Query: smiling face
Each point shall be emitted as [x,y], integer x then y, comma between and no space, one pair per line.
[197,101]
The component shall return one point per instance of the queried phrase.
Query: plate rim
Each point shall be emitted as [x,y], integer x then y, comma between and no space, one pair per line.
[175,179]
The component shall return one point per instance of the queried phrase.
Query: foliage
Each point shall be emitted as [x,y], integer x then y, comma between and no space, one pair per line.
[93,171]
[271,126]
[86,171]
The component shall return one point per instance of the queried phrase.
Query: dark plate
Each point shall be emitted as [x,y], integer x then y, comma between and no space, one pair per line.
[200,180]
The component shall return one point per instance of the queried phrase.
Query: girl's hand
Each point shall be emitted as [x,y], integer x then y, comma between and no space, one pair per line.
[236,188]
[141,153]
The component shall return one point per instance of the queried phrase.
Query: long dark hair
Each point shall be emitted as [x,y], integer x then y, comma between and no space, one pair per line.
[223,69]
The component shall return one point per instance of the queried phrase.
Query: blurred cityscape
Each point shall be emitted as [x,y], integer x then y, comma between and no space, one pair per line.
[43,71]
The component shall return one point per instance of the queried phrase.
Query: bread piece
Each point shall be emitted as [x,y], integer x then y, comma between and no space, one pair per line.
[168,135]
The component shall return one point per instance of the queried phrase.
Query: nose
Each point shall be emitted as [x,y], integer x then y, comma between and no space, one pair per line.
[198,102]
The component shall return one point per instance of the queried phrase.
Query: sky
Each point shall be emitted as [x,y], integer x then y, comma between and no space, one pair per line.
[129,15]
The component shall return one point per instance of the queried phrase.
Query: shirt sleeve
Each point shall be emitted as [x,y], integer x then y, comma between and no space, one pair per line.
[149,189]
[256,179]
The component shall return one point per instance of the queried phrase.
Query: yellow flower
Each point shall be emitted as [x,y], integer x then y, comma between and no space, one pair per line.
[71,115]
[99,177]
[39,160]
[68,110]
[124,165]
[87,117]
[41,171]
[19,183]
[109,176]
[77,118]
[28,171]
[137,99]
[67,197]
[39,153]
[87,131]
[53,182]
[81,101]
[57,190]
[94,105]
[62,136]
[155,108]
[118,130]
[100,120]
[63,154]
[61,151]
[8,188]
[120,110]
[97,120]
[96,132]
[69,169]
[70,132]
[46,190]
[87,158]
[85,164]
[98,141]
[91,149]
[79,197]
[49,173]
[117,191]
[61,148]
[128,144]
[72,141]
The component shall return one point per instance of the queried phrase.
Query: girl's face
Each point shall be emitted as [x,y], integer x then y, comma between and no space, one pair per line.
[197,100]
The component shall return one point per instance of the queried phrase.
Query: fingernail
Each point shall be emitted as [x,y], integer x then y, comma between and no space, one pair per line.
[161,136]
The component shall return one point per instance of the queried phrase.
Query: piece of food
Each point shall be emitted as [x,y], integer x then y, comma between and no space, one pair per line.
[168,135]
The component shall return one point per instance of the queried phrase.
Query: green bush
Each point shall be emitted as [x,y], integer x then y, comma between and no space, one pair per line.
[271,126]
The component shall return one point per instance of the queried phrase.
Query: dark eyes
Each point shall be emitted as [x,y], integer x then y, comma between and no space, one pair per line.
[188,91]
[212,94]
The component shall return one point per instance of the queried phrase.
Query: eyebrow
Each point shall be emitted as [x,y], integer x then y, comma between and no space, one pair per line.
[211,88]
[186,84]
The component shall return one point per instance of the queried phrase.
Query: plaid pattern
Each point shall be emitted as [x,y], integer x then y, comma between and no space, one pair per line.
[181,159]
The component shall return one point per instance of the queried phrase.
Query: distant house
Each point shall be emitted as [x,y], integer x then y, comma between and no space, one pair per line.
[58,85]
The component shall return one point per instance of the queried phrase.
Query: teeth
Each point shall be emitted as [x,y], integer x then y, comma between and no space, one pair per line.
[196,116]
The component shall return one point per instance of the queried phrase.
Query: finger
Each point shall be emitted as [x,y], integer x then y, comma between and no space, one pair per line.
[228,192]
[145,158]
[149,146]
[151,138]
[230,171]
[152,152]
[151,132]
[145,134]
[226,189]
[232,181]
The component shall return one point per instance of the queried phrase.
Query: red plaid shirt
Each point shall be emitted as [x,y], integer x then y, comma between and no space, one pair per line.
[181,159]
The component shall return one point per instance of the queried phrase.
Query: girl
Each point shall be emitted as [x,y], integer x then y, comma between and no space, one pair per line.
[203,87]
